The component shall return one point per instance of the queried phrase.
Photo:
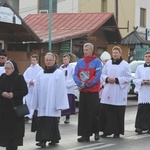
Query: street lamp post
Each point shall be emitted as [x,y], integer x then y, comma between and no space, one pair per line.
[50,26]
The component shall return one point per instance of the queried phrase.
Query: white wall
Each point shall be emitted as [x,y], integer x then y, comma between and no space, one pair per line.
[142,4]
[67,6]
[28,7]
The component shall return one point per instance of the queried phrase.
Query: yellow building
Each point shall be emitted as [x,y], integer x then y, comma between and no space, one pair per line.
[129,13]
[126,11]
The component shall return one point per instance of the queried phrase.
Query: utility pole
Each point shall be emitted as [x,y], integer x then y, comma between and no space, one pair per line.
[116,10]
[50,26]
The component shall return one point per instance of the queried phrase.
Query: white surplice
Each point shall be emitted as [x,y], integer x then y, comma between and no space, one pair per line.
[142,73]
[116,94]
[70,84]
[50,94]
[30,74]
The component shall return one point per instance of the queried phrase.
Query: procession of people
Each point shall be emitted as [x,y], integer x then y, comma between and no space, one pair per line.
[49,93]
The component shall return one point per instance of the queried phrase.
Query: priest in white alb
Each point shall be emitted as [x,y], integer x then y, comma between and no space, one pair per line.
[49,98]
[142,88]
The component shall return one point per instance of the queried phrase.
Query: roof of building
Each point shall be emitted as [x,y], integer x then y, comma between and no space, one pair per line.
[67,26]
[14,32]
[135,38]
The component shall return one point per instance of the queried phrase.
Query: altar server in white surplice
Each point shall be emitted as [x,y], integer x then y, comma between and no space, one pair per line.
[142,87]
[68,71]
[117,76]
[49,98]
[30,77]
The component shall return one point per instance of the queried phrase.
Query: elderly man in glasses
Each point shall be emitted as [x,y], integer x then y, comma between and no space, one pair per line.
[3,59]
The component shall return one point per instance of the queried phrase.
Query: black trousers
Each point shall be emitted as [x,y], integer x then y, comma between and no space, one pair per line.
[88,120]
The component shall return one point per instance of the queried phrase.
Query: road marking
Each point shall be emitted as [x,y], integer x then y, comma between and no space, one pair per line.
[99,147]
[92,146]
[136,137]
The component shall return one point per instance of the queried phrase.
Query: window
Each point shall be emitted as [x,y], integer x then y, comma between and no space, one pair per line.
[78,51]
[1,45]
[58,1]
[104,6]
[44,5]
[43,11]
[14,4]
[142,17]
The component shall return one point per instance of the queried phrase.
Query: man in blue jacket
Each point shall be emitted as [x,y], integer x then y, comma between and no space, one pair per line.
[87,77]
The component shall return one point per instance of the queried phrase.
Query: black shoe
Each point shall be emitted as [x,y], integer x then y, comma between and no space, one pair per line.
[139,131]
[83,139]
[104,135]
[26,119]
[67,121]
[42,144]
[148,131]
[96,137]
[53,143]
[116,136]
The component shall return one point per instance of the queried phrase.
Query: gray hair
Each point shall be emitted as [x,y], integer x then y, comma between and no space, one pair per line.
[89,45]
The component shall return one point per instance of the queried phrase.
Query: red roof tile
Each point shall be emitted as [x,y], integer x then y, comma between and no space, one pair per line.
[66,25]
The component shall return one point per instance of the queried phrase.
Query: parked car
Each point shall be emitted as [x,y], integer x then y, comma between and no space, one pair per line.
[76,91]
[133,65]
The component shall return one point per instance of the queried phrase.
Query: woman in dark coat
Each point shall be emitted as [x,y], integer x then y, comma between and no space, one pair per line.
[12,86]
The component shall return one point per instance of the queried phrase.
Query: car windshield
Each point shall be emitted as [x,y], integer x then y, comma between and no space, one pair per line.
[134,66]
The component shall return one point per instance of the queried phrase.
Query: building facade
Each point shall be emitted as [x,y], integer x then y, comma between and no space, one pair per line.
[27,7]
[129,13]
[14,4]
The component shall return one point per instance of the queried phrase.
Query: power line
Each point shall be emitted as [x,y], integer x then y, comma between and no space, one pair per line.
[34,7]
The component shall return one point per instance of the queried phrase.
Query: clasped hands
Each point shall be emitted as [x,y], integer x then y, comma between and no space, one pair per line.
[111,80]
[31,82]
[7,94]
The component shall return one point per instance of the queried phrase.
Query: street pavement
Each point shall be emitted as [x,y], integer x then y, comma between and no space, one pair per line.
[69,134]
[132,100]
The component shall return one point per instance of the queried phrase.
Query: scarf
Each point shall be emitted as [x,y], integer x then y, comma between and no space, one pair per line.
[89,58]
